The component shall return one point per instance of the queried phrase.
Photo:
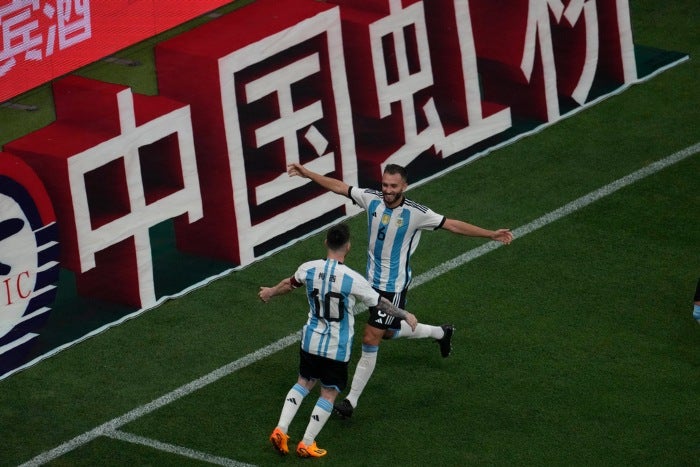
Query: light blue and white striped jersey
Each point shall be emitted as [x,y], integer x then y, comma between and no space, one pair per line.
[393,235]
[332,289]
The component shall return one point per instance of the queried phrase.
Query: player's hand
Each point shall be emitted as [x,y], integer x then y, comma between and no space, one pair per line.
[411,320]
[296,169]
[265,294]
[503,235]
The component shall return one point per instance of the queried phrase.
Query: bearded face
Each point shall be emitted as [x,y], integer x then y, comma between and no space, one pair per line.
[393,186]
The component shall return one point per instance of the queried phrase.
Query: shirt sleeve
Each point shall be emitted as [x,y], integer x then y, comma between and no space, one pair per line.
[430,220]
[359,196]
[299,277]
[364,291]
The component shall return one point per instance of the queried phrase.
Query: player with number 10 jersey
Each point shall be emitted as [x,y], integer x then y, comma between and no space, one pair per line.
[331,289]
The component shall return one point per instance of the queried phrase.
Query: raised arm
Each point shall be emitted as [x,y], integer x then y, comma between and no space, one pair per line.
[462,228]
[285,286]
[387,307]
[330,184]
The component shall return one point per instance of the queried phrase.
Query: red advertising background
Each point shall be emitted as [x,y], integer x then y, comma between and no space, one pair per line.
[156,194]
[30,53]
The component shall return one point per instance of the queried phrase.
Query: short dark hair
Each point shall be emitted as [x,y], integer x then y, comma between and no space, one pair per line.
[337,236]
[394,169]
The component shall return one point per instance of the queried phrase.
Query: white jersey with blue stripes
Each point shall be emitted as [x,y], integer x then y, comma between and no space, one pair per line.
[332,289]
[393,235]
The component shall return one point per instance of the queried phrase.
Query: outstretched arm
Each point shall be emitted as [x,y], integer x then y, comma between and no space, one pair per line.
[330,184]
[285,286]
[462,228]
[387,307]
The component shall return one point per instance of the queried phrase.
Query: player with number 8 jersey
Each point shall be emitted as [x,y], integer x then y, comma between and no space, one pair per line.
[393,235]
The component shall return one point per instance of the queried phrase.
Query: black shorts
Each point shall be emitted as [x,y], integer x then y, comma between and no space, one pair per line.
[331,373]
[381,320]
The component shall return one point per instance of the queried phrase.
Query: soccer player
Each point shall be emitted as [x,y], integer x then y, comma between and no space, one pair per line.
[332,289]
[395,225]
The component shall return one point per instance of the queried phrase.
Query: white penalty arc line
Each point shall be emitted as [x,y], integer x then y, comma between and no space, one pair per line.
[111,427]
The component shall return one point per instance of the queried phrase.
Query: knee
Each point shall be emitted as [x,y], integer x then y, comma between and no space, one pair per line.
[372,336]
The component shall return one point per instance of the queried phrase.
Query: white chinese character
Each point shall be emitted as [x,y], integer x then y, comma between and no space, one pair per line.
[50,12]
[142,214]
[408,82]
[293,122]
[279,83]
[539,32]
[20,33]
[73,20]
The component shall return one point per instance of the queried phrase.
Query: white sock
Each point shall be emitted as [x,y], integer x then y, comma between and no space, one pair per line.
[364,370]
[319,417]
[422,331]
[291,405]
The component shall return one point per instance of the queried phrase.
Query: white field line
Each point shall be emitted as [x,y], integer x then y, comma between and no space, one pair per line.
[111,427]
[559,213]
[180,451]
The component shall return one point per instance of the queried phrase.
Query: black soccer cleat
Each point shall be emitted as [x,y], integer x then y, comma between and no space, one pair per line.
[446,341]
[343,408]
